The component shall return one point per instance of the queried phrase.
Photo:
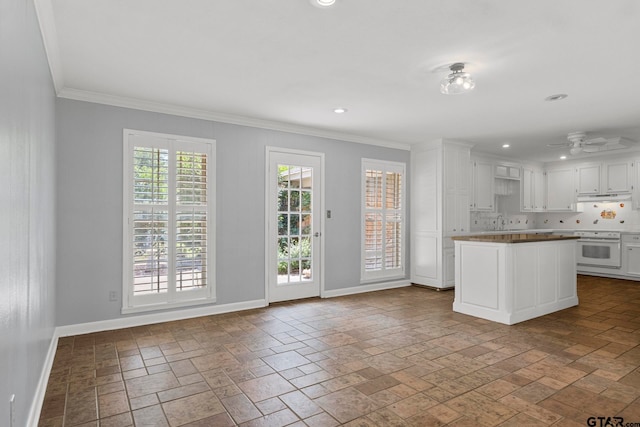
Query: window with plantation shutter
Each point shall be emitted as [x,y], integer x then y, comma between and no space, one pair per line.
[383,208]
[168,221]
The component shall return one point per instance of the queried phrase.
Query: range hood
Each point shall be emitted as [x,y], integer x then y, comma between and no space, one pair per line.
[603,198]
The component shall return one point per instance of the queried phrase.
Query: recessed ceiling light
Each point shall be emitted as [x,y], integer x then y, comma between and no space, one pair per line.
[556,97]
[322,3]
[339,110]
[506,145]
[563,157]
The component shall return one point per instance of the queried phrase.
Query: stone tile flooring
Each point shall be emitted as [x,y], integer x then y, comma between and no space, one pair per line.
[391,358]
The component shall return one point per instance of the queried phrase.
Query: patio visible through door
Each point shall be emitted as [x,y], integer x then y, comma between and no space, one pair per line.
[294,221]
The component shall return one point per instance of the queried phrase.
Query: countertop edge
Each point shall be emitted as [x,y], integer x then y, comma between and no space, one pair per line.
[513,238]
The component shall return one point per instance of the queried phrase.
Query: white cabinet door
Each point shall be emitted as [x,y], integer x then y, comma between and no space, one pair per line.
[463,218]
[449,267]
[588,179]
[456,213]
[560,190]
[532,190]
[632,258]
[617,177]
[538,191]
[527,190]
[636,185]
[505,171]
[472,186]
[484,182]
[456,169]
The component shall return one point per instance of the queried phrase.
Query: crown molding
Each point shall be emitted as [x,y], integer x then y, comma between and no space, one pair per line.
[157,107]
[47,22]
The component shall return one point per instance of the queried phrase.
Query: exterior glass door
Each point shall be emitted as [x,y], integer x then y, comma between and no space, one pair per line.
[294,226]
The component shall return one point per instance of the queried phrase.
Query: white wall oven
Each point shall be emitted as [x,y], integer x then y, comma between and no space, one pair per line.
[599,249]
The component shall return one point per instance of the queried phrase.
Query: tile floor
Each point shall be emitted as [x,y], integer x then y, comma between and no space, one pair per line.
[390,358]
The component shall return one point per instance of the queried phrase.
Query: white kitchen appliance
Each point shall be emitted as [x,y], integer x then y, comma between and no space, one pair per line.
[599,249]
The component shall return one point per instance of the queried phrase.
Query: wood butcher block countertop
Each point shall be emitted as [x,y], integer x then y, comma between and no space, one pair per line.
[513,238]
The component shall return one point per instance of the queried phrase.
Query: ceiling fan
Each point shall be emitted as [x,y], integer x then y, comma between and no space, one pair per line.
[578,142]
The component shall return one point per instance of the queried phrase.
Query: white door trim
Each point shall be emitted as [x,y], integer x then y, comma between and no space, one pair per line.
[268,151]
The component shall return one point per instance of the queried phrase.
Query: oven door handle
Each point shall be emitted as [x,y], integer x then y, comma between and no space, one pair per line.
[598,241]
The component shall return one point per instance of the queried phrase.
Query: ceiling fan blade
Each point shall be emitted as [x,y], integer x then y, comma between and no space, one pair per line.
[620,140]
[561,145]
[596,141]
[593,148]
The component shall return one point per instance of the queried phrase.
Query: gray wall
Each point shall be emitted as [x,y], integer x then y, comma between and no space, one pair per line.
[27,208]
[90,204]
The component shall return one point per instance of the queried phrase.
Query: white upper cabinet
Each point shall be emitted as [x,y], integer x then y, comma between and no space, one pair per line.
[507,171]
[532,190]
[604,177]
[456,189]
[636,184]
[560,190]
[483,195]
[588,179]
[617,177]
[538,191]
[526,190]
[456,169]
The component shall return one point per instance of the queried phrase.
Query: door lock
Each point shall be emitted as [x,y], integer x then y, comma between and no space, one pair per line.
[316,234]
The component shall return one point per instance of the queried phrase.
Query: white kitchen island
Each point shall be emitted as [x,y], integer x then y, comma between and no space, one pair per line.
[515,277]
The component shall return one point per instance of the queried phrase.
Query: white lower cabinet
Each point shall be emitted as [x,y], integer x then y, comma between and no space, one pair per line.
[631,254]
[514,282]
[449,260]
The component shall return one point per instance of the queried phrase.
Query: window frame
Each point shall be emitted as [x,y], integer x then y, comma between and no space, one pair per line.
[172,298]
[383,273]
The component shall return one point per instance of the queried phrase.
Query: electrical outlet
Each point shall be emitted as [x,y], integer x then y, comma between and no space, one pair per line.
[113,295]
[12,412]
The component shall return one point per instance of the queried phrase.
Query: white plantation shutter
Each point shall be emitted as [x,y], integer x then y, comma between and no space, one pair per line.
[168,209]
[383,219]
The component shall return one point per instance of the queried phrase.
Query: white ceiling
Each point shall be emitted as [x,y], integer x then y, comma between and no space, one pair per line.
[286,64]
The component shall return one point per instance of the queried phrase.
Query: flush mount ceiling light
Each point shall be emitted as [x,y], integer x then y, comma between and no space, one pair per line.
[322,3]
[506,145]
[340,110]
[458,81]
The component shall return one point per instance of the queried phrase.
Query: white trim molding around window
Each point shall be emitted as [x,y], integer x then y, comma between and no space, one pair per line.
[383,220]
[168,221]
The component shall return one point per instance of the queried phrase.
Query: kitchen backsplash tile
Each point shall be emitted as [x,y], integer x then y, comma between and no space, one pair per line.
[595,216]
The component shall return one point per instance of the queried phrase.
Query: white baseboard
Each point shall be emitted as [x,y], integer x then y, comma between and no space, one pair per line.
[41,388]
[366,288]
[148,319]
